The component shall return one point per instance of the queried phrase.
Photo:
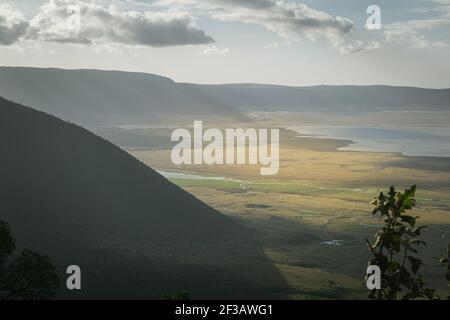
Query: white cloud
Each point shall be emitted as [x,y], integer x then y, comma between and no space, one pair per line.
[295,21]
[443,6]
[214,51]
[413,33]
[360,46]
[292,21]
[442,2]
[13,25]
[88,22]
[410,33]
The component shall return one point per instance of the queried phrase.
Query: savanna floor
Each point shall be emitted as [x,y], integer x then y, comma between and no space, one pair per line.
[314,215]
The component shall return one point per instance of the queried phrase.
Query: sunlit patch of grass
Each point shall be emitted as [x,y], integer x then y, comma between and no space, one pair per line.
[313,283]
[319,195]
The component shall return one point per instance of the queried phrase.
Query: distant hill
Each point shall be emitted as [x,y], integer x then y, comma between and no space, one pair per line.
[81,200]
[255,97]
[91,97]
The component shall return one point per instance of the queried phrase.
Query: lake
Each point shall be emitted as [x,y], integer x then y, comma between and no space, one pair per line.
[411,141]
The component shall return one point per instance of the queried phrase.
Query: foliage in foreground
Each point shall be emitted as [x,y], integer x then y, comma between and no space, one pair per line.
[179,295]
[445,261]
[395,250]
[29,277]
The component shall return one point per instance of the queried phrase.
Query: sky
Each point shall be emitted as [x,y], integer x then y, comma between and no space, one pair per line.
[296,43]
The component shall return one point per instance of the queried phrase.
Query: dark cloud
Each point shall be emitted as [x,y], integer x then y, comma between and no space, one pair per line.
[12,25]
[86,22]
[290,20]
[253,4]
[158,33]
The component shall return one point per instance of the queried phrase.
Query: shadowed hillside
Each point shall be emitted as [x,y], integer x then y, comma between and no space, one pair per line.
[81,200]
[91,96]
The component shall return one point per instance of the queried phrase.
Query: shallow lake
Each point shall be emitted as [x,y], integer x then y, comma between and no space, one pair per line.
[411,141]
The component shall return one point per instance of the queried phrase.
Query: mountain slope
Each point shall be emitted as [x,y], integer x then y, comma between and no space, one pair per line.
[91,96]
[81,200]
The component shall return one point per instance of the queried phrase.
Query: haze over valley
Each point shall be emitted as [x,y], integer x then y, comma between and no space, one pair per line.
[298,234]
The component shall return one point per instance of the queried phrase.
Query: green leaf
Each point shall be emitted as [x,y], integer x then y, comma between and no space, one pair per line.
[417,242]
[415,264]
[418,230]
[406,200]
[409,219]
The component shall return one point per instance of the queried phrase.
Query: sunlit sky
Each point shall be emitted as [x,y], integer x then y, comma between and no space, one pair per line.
[233,41]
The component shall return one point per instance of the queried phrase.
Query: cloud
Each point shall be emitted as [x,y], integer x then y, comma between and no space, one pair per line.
[413,33]
[410,33]
[214,51]
[296,21]
[292,21]
[12,25]
[443,6]
[360,46]
[442,2]
[87,22]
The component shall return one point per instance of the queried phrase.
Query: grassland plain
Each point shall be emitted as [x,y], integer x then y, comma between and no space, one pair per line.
[313,216]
